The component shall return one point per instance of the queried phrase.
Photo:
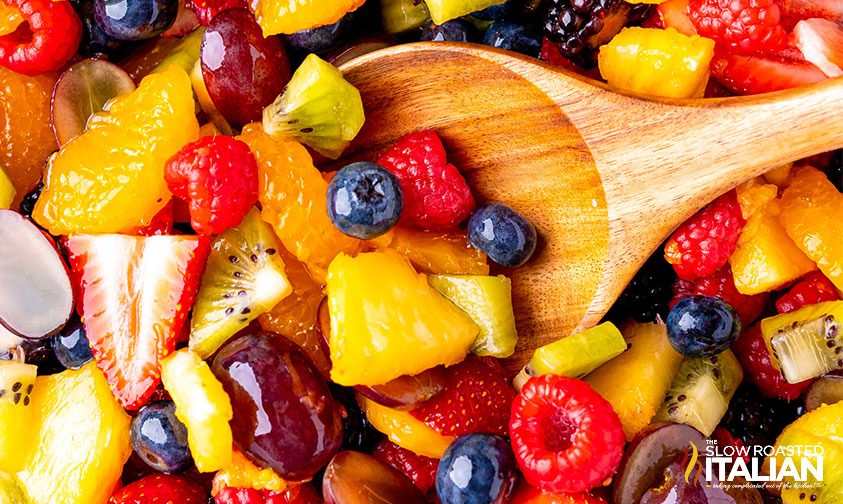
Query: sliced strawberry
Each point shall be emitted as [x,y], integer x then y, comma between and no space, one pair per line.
[675,14]
[794,11]
[420,469]
[476,398]
[161,224]
[160,489]
[814,288]
[821,41]
[136,293]
[763,74]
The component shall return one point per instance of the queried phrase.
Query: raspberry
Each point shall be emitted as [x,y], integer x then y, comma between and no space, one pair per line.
[752,352]
[46,41]
[436,196]
[218,177]
[745,26]
[420,469]
[476,398]
[722,284]
[814,288]
[565,436]
[206,9]
[703,244]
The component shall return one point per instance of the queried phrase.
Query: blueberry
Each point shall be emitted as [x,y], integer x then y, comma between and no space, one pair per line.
[702,326]
[159,438]
[455,30]
[135,19]
[493,12]
[364,200]
[324,38]
[71,345]
[503,234]
[27,204]
[95,41]
[517,37]
[476,469]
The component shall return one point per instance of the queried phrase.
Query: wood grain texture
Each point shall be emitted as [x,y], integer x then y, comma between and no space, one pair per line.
[605,177]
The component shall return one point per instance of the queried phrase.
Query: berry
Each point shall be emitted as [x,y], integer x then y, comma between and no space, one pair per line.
[580,27]
[55,34]
[133,324]
[835,170]
[477,468]
[506,236]
[518,37]
[323,38]
[357,432]
[494,12]
[702,326]
[455,30]
[744,26]
[160,439]
[476,399]
[721,284]
[647,295]
[364,200]
[161,224]
[754,356]
[436,196]
[218,177]
[566,437]
[206,9]
[420,469]
[814,288]
[758,420]
[27,204]
[703,244]
[764,74]
[160,489]
[71,345]
[95,41]
[135,19]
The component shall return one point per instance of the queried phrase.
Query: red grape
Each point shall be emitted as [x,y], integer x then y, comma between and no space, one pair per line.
[356,478]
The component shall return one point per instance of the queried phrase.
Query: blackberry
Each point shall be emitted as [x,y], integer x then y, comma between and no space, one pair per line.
[648,294]
[358,433]
[835,170]
[758,420]
[27,204]
[580,27]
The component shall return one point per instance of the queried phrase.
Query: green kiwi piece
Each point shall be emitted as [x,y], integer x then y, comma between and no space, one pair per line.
[244,278]
[700,393]
[401,16]
[319,108]
[575,356]
[806,343]
[488,301]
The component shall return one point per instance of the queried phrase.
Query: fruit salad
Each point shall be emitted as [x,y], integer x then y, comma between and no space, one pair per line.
[204,299]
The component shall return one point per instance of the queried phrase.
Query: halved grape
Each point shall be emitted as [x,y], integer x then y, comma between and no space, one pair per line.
[243,71]
[405,392]
[82,90]
[356,478]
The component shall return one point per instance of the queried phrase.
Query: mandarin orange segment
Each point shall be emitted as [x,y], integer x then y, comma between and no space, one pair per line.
[812,215]
[290,16]
[10,18]
[295,317]
[111,177]
[26,138]
[439,252]
[292,194]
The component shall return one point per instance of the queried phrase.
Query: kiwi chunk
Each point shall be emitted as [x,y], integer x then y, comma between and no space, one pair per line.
[16,415]
[319,108]
[576,355]
[700,393]
[401,16]
[488,301]
[806,343]
[244,278]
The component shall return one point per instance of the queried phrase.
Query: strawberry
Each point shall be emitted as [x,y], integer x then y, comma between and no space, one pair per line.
[566,437]
[821,41]
[794,11]
[218,177]
[136,293]
[764,74]
[420,469]
[476,398]
[161,224]
[676,14]
[550,54]
[814,288]
[725,438]
[703,243]
[160,489]
[721,284]
[436,196]
[296,494]
[741,26]
[206,9]
[752,352]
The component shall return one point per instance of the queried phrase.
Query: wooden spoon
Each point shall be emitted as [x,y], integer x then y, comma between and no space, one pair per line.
[604,177]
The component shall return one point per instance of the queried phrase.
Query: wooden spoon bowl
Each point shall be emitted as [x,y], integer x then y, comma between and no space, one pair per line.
[604,177]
